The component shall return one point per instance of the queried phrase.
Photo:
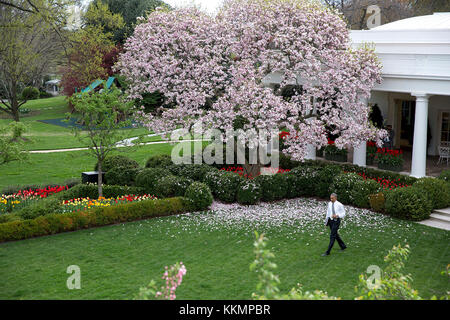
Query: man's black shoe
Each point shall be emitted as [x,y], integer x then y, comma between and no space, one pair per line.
[325,254]
[342,249]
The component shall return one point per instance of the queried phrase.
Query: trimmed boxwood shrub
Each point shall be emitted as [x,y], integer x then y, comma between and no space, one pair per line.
[343,185]
[99,216]
[172,186]
[147,178]
[445,175]
[159,161]
[198,196]
[117,161]
[408,203]
[324,179]
[122,176]
[30,93]
[306,179]
[293,188]
[212,180]
[362,190]
[91,191]
[228,184]
[286,162]
[8,217]
[195,172]
[273,186]
[438,191]
[249,192]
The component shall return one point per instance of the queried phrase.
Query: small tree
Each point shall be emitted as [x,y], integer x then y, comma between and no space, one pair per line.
[101,115]
[11,142]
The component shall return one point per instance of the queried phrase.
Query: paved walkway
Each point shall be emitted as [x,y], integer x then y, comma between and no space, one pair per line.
[439,219]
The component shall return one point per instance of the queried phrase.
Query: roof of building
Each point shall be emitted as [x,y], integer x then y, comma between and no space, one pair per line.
[436,21]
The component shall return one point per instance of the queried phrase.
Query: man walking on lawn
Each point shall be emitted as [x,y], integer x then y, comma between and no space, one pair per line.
[335,213]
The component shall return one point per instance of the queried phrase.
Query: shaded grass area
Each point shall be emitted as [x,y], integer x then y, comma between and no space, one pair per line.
[116,260]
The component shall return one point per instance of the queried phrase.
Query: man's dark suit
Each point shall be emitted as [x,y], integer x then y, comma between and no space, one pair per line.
[334,226]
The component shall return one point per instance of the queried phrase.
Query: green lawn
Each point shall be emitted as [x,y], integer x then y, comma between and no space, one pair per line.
[217,249]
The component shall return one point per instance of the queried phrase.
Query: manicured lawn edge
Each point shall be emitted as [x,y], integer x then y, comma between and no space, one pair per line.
[96,217]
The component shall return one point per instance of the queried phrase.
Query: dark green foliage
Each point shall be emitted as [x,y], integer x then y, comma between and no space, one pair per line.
[150,101]
[195,172]
[122,176]
[305,180]
[9,217]
[376,117]
[273,186]
[44,94]
[408,203]
[172,186]
[30,93]
[362,189]
[286,162]
[40,208]
[437,190]
[445,175]
[293,187]
[91,191]
[159,161]
[228,184]
[117,161]
[198,196]
[249,192]
[147,178]
[324,179]
[343,185]
[212,180]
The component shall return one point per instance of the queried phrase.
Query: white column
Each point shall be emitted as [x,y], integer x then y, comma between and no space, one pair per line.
[311,155]
[359,154]
[419,154]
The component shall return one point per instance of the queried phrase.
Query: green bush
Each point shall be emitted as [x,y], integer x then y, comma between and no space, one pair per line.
[39,208]
[30,93]
[8,217]
[408,203]
[99,216]
[362,190]
[324,179]
[195,172]
[122,176]
[44,94]
[249,192]
[228,184]
[198,196]
[212,180]
[91,191]
[172,186]
[437,190]
[343,185]
[286,162]
[273,186]
[305,180]
[445,175]
[117,161]
[159,161]
[147,178]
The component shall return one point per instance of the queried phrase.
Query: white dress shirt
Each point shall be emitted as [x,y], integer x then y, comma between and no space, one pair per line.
[339,210]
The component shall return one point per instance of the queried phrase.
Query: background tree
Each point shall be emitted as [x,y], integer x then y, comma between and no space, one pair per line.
[28,49]
[12,143]
[100,114]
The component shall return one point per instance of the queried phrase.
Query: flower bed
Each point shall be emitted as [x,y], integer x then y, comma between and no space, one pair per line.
[23,198]
[389,159]
[385,183]
[240,170]
[81,204]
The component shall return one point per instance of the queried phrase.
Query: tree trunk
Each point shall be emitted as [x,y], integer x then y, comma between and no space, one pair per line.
[252,170]
[100,179]
[14,104]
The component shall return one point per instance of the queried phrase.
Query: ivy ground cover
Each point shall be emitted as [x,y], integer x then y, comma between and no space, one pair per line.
[217,249]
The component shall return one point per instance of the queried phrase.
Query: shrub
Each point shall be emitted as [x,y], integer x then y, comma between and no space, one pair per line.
[8,217]
[195,172]
[438,191]
[445,175]
[198,196]
[286,162]
[159,161]
[100,216]
[212,180]
[122,176]
[408,203]
[273,187]
[39,208]
[117,161]
[324,179]
[343,185]
[362,190]
[91,191]
[249,192]
[147,178]
[172,186]
[228,184]
[44,94]
[305,179]
[377,201]
[30,93]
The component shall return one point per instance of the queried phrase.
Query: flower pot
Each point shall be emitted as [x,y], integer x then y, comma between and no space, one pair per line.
[390,167]
[336,157]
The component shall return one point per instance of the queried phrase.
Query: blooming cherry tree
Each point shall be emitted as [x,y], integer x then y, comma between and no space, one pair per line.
[218,69]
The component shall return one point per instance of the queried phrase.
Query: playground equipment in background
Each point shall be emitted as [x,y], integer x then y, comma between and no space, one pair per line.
[96,85]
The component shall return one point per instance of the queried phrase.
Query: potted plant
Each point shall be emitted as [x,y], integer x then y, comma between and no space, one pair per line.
[333,153]
[390,159]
